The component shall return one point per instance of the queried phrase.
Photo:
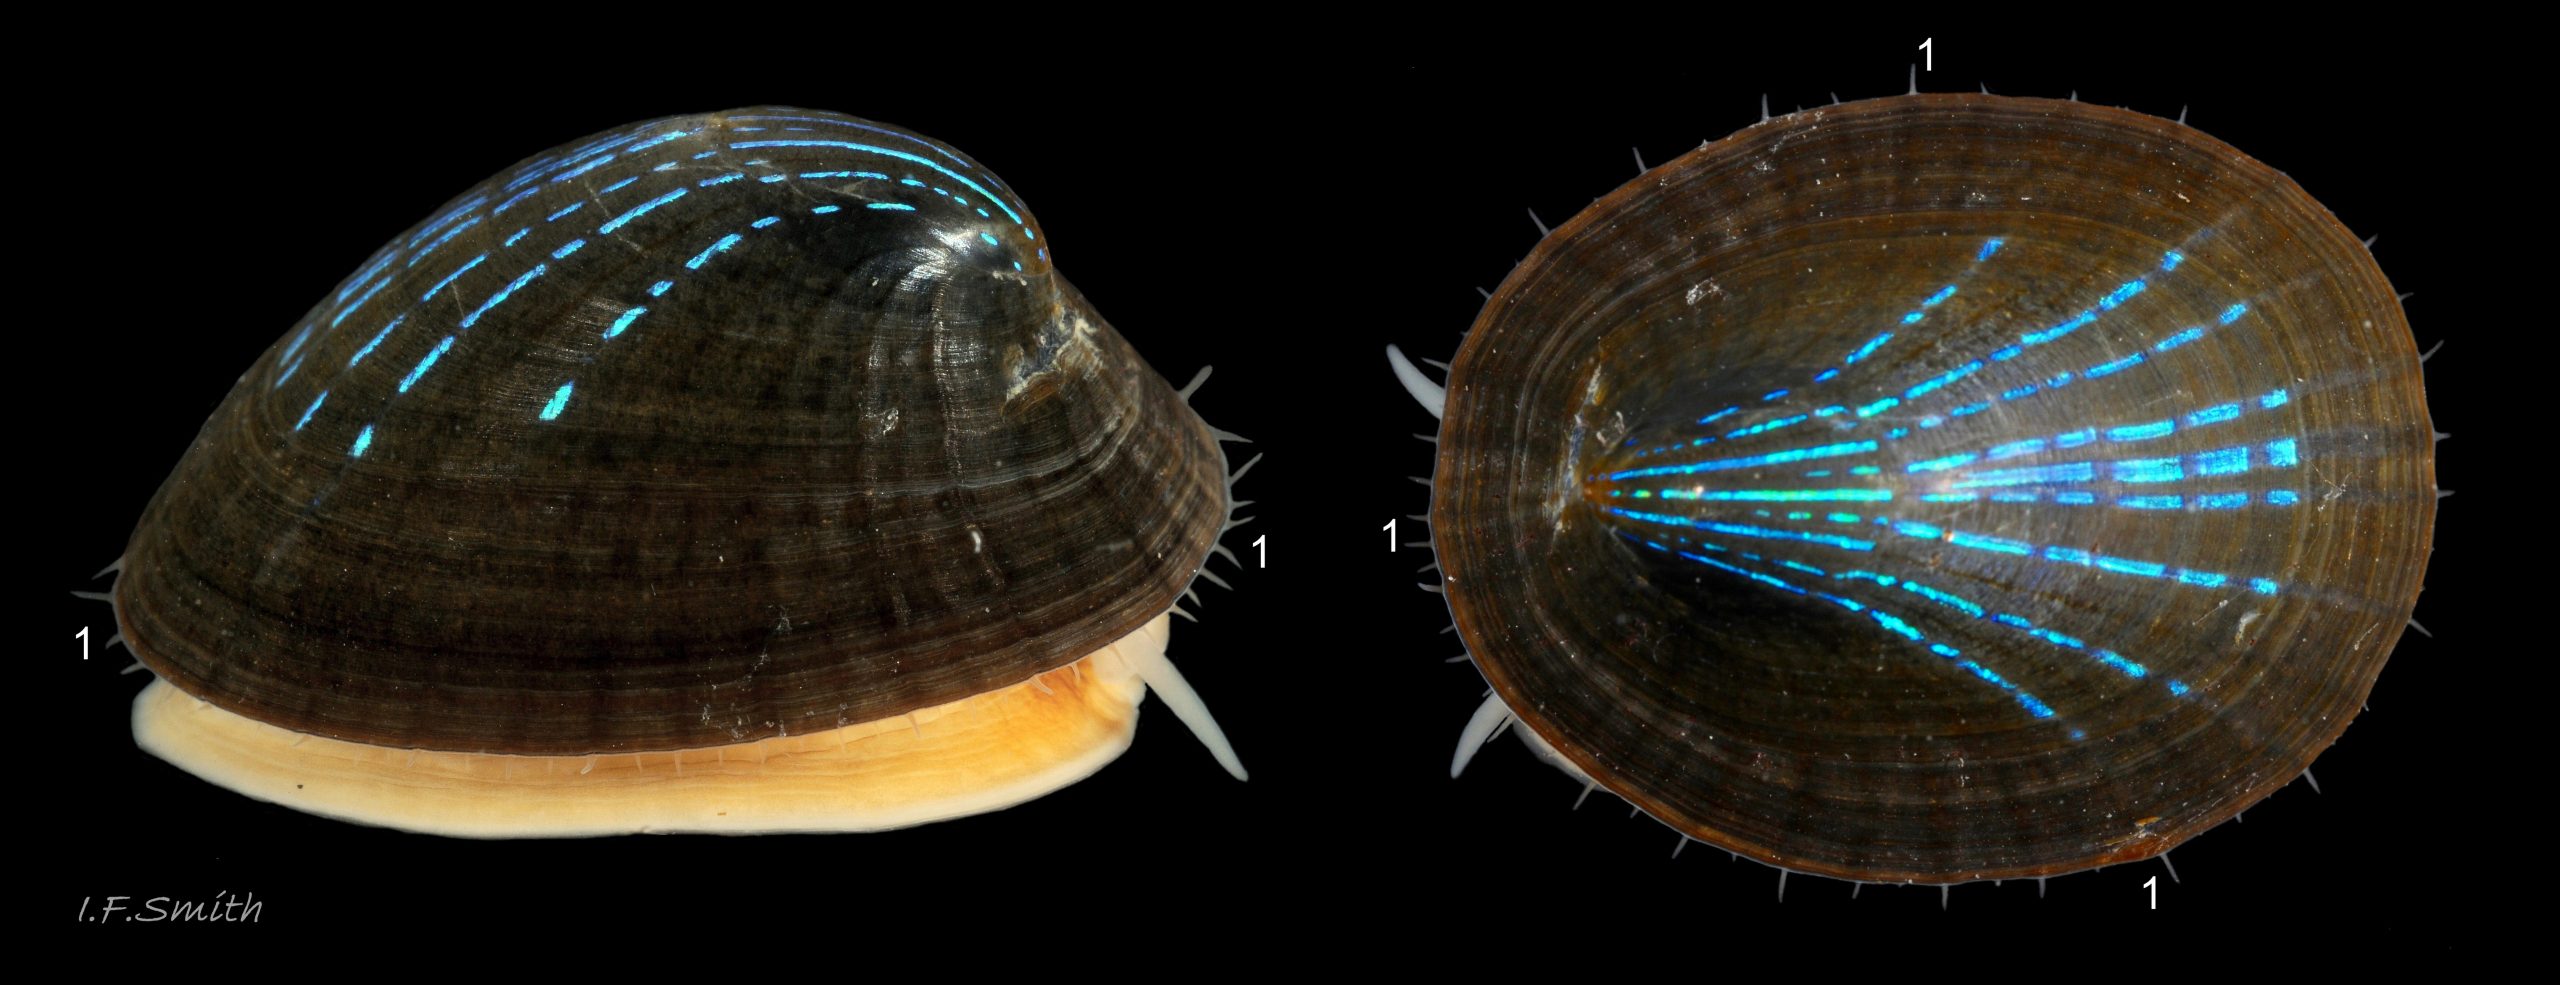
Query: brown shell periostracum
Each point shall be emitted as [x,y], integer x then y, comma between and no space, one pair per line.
[745,471]
[1936,488]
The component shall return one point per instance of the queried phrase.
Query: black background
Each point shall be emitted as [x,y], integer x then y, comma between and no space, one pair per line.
[1282,217]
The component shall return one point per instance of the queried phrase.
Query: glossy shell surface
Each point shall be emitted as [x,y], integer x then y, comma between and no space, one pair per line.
[1939,488]
[703,430]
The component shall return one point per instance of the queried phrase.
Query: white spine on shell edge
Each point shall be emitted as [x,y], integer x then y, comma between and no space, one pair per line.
[1177,694]
[1430,395]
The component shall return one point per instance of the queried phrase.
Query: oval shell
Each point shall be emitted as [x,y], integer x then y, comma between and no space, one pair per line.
[699,432]
[1939,488]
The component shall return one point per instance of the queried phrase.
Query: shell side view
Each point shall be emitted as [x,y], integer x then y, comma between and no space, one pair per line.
[1936,488]
[744,471]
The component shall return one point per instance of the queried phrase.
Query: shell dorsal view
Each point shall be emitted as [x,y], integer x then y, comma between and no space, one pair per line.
[1936,488]
[747,471]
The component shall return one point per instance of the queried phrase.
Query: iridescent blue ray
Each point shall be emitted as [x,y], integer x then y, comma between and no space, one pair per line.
[1767,426]
[559,401]
[441,240]
[623,323]
[642,209]
[1989,247]
[366,275]
[2146,470]
[454,276]
[900,155]
[1869,349]
[2112,660]
[1747,530]
[1769,580]
[2015,449]
[298,339]
[1901,627]
[2120,664]
[1776,495]
[1884,619]
[513,201]
[377,341]
[2227,461]
[705,256]
[2113,299]
[426,364]
[539,169]
[2066,555]
[449,215]
[2109,367]
[660,139]
[1750,461]
[946,152]
[500,298]
[2124,292]
[348,309]
[313,409]
[584,168]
